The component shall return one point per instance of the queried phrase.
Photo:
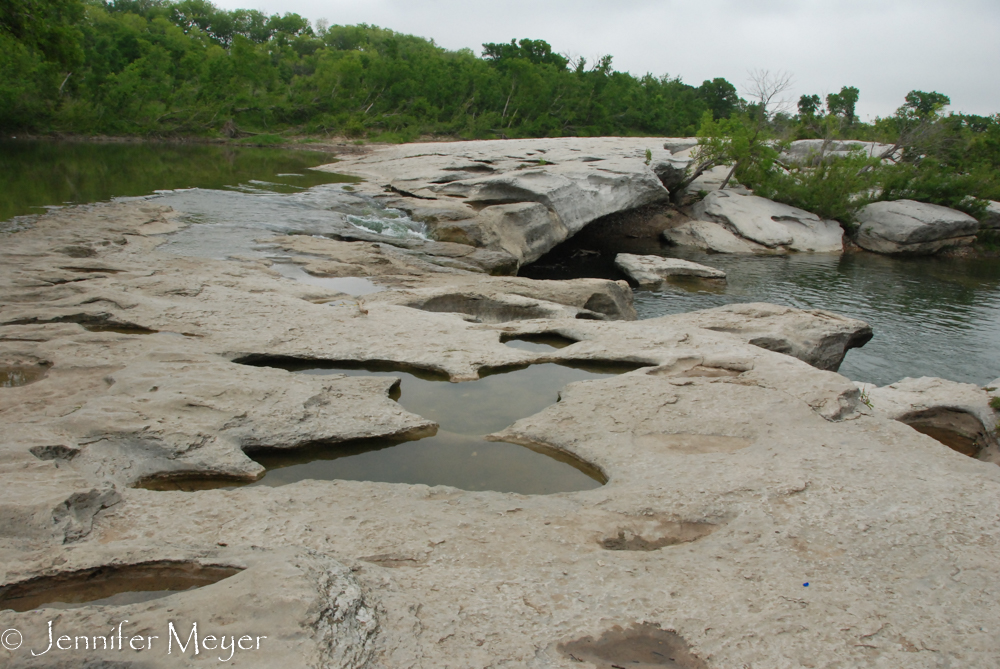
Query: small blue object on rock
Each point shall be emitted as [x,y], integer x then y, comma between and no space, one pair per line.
[805,585]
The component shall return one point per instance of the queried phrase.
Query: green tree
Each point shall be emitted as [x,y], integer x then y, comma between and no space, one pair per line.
[808,106]
[536,51]
[48,26]
[720,96]
[843,104]
[926,105]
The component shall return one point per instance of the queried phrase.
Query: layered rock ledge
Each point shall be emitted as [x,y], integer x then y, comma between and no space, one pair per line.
[736,471]
[521,197]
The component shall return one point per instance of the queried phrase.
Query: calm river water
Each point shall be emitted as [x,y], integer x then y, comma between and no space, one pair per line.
[932,317]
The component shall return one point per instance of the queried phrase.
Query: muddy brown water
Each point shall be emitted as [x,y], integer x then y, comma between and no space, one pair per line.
[12,376]
[639,646]
[459,454]
[116,585]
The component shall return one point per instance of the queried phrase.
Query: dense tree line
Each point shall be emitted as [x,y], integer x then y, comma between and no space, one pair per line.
[162,67]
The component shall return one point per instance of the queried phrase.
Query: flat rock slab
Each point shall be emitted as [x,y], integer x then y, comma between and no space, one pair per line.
[906,226]
[654,270]
[817,337]
[770,224]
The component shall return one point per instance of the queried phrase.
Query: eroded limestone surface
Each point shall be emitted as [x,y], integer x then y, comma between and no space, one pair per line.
[520,197]
[736,474]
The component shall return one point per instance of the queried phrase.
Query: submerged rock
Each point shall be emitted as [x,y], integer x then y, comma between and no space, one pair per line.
[654,270]
[770,224]
[906,226]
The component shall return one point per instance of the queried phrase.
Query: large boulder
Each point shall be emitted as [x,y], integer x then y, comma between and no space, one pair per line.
[811,151]
[679,144]
[521,197]
[906,226]
[769,223]
[992,219]
[817,337]
[714,238]
[958,415]
[654,270]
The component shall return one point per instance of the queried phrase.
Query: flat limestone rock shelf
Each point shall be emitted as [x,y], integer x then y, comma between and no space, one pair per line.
[737,473]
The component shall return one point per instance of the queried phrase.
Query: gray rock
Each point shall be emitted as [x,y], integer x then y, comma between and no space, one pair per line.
[734,474]
[654,270]
[769,223]
[670,171]
[510,299]
[712,180]
[279,602]
[810,151]
[992,219]
[678,144]
[905,226]
[817,337]
[713,237]
[521,197]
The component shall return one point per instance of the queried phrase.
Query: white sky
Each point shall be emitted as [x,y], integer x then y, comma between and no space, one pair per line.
[883,47]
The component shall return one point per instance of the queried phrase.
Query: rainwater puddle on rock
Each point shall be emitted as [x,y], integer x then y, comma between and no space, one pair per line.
[21,375]
[458,455]
[537,343]
[641,646]
[120,329]
[349,285]
[111,585]
[958,430]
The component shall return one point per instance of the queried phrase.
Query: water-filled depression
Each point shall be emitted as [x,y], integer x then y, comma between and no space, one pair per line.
[112,585]
[458,455]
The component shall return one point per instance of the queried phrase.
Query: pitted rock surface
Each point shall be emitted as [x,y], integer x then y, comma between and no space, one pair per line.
[735,473]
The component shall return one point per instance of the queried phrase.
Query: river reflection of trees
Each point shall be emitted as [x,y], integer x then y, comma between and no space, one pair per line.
[36,174]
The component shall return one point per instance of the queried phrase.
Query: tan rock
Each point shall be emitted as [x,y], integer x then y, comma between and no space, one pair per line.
[735,476]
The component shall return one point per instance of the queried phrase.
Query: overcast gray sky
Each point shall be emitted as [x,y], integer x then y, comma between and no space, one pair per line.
[883,47]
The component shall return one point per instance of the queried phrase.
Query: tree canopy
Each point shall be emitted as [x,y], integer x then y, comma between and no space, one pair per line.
[189,67]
